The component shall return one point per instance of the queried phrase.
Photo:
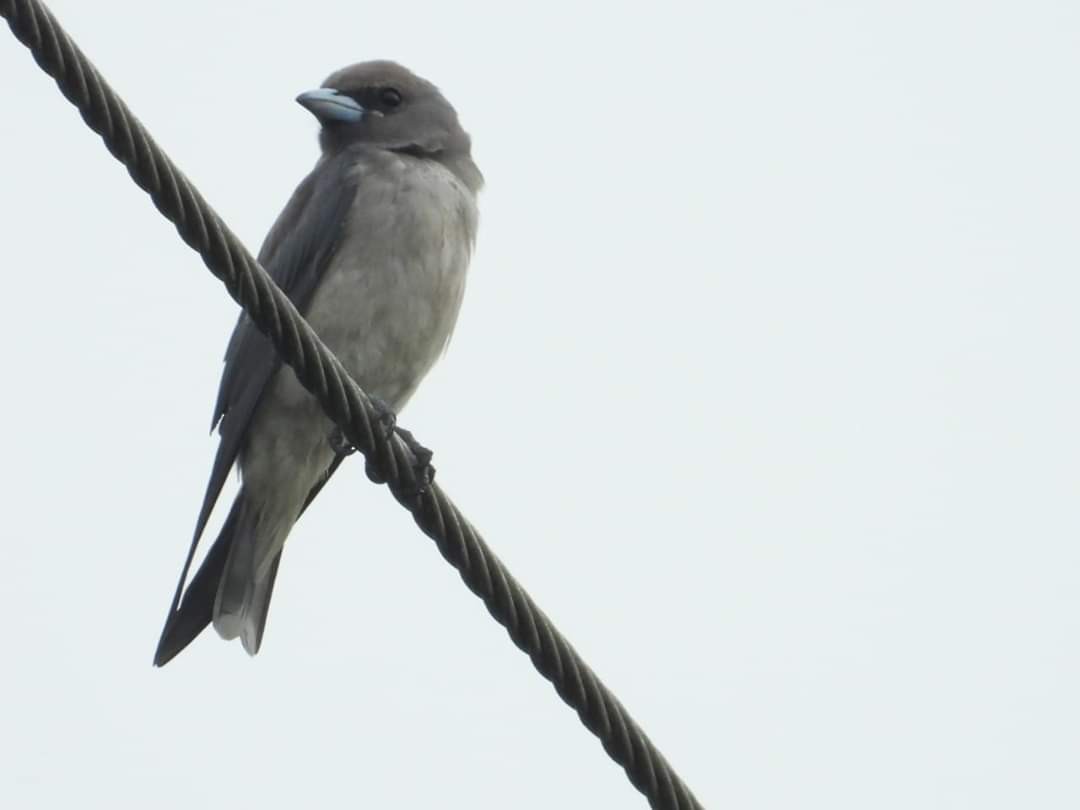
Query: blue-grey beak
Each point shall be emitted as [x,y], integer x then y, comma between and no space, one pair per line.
[331,107]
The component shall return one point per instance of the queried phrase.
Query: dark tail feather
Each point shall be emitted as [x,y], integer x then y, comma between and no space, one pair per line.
[196,609]
[191,614]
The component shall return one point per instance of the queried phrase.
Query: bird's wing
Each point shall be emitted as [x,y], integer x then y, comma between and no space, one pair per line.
[296,254]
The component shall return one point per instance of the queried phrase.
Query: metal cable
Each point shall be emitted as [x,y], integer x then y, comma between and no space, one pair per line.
[388,458]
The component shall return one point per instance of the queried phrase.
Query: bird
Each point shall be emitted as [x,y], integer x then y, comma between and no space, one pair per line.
[373,249]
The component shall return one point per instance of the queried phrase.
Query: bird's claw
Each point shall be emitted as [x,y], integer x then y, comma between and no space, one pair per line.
[387,421]
[386,416]
[422,468]
[423,472]
[339,444]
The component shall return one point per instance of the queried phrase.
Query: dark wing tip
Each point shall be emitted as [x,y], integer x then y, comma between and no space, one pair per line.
[196,610]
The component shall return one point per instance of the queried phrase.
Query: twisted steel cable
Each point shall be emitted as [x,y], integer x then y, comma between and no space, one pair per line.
[388,458]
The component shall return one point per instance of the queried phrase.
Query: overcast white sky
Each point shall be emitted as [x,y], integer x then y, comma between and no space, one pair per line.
[765,387]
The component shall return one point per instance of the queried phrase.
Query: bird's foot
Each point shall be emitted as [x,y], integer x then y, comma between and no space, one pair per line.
[423,472]
[339,444]
[387,422]
[386,416]
[421,466]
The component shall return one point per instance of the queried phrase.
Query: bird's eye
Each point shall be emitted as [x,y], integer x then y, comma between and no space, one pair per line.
[390,97]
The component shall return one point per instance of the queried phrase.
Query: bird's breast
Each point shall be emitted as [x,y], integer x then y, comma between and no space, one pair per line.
[390,297]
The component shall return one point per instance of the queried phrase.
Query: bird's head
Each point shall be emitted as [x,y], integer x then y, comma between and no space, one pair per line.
[384,104]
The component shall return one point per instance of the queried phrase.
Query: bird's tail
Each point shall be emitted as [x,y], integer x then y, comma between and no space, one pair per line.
[243,594]
[225,589]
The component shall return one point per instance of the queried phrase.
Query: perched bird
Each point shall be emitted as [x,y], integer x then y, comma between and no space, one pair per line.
[372,248]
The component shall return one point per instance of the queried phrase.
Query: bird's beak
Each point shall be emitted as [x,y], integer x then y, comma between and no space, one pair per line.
[331,107]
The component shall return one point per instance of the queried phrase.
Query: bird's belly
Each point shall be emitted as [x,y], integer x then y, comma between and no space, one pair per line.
[391,296]
[388,325]
[385,306]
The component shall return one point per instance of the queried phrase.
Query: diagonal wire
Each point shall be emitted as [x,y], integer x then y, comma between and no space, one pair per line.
[388,458]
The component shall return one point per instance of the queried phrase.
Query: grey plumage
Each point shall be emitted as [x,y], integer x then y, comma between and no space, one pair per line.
[373,248]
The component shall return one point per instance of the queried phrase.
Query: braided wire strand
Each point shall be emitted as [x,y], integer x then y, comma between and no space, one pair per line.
[389,459]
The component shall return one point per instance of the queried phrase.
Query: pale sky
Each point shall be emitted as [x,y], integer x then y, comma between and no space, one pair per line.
[764,387]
